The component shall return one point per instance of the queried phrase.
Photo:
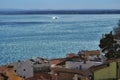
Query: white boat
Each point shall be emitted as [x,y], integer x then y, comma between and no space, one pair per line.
[55,17]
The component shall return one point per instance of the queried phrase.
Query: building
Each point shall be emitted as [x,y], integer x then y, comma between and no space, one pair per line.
[89,55]
[41,65]
[80,65]
[71,55]
[60,62]
[69,74]
[29,68]
[23,68]
[55,62]
[40,76]
[108,71]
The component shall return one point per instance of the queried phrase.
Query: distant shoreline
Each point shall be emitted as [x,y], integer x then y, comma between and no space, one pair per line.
[23,12]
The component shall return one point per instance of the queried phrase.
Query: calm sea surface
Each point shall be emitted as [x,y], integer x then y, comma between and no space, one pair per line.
[27,36]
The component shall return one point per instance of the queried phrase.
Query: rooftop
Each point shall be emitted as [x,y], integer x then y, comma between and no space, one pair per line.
[66,70]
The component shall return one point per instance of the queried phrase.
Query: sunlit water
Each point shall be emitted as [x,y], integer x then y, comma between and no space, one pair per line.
[26,36]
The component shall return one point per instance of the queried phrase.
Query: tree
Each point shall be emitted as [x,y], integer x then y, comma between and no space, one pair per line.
[109,46]
[117,31]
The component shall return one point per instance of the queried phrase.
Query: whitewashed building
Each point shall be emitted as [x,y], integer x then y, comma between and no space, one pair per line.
[26,69]
[81,65]
[23,68]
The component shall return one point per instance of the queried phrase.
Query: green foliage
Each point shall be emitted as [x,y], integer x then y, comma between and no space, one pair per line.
[109,46]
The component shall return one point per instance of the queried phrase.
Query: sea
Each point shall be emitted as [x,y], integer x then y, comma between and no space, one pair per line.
[24,37]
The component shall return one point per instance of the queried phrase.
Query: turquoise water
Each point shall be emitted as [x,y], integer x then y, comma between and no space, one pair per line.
[27,36]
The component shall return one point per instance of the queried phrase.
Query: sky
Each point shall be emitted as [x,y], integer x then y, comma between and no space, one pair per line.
[59,4]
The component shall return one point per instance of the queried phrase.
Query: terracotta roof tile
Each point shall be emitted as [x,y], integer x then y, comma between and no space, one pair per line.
[56,61]
[93,52]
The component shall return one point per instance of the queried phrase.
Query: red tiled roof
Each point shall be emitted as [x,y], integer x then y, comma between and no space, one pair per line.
[57,61]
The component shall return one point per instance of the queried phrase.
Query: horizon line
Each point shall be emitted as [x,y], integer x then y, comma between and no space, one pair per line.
[59,9]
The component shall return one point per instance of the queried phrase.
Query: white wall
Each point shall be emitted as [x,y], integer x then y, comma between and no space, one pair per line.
[21,66]
[76,65]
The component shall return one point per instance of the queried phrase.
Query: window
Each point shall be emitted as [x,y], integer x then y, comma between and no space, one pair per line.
[15,70]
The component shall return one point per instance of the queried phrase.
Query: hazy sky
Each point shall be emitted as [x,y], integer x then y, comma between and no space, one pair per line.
[59,4]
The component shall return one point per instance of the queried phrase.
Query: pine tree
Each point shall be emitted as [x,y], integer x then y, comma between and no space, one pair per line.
[109,46]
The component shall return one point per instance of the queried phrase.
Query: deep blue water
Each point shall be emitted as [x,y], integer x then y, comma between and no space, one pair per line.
[27,36]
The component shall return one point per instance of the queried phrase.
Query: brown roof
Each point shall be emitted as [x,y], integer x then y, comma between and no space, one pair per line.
[93,52]
[61,61]
[41,76]
[70,55]
[56,61]
[66,70]
[4,69]
[95,68]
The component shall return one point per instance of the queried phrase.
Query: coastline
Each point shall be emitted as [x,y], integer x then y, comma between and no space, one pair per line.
[68,12]
[73,66]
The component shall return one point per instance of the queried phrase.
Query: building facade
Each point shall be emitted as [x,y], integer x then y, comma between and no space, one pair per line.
[23,68]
